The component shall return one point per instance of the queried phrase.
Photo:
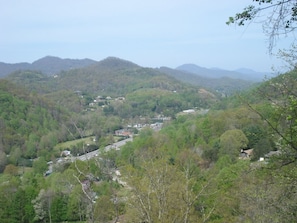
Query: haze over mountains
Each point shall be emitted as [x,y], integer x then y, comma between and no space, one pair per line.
[50,65]
[241,73]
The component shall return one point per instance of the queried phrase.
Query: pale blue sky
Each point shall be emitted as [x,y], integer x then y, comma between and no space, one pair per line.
[150,33]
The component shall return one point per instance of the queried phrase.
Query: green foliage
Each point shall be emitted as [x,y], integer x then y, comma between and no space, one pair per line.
[15,201]
[232,142]
[278,109]
[225,182]
[26,121]
[40,165]
[59,208]
[157,189]
[187,172]
[33,80]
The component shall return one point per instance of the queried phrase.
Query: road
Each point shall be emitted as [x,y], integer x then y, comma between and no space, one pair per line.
[94,153]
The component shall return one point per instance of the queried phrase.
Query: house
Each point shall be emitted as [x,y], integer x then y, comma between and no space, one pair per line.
[246,154]
[156,126]
[65,153]
[123,132]
[189,111]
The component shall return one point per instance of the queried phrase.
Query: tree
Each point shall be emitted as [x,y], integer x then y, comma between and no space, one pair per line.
[281,17]
[77,205]
[195,187]
[59,207]
[231,142]
[11,169]
[155,193]
[40,165]
[42,205]
[30,192]
[8,207]
[3,161]
[15,156]
[162,192]
[268,196]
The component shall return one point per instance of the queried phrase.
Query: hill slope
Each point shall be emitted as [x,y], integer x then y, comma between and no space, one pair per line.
[29,124]
[147,91]
[223,85]
[114,76]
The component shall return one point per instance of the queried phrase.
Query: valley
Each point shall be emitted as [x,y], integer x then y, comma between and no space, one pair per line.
[111,141]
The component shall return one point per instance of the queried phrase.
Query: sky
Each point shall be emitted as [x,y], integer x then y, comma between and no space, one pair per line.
[150,33]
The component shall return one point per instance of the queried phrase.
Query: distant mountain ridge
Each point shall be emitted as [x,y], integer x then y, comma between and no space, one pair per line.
[48,65]
[223,85]
[51,65]
[242,73]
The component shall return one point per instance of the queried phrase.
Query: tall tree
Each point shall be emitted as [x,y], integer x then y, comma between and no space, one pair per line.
[42,205]
[162,192]
[231,142]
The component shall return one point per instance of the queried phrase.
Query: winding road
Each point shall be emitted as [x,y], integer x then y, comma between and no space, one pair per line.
[95,153]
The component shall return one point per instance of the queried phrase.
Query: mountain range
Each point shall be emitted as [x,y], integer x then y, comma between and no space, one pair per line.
[115,76]
[50,65]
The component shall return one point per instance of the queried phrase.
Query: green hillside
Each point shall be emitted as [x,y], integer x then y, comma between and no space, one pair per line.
[114,78]
[229,159]
[223,85]
[30,124]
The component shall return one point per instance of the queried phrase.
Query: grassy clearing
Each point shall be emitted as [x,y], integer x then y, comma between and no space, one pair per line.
[69,144]
[87,140]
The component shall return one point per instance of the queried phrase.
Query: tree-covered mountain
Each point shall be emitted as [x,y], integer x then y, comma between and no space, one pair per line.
[235,163]
[145,90]
[48,65]
[207,163]
[30,125]
[222,81]
[244,155]
[115,76]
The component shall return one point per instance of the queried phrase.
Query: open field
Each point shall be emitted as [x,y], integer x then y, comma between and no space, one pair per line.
[69,144]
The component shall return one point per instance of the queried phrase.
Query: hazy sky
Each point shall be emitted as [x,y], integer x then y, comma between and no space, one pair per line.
[150,33]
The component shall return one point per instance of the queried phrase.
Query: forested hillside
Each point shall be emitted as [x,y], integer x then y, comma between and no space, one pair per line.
[224,82]
[204,163]
[146,91]
[111,141]
[211,159]
[224,85]
[30,125]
